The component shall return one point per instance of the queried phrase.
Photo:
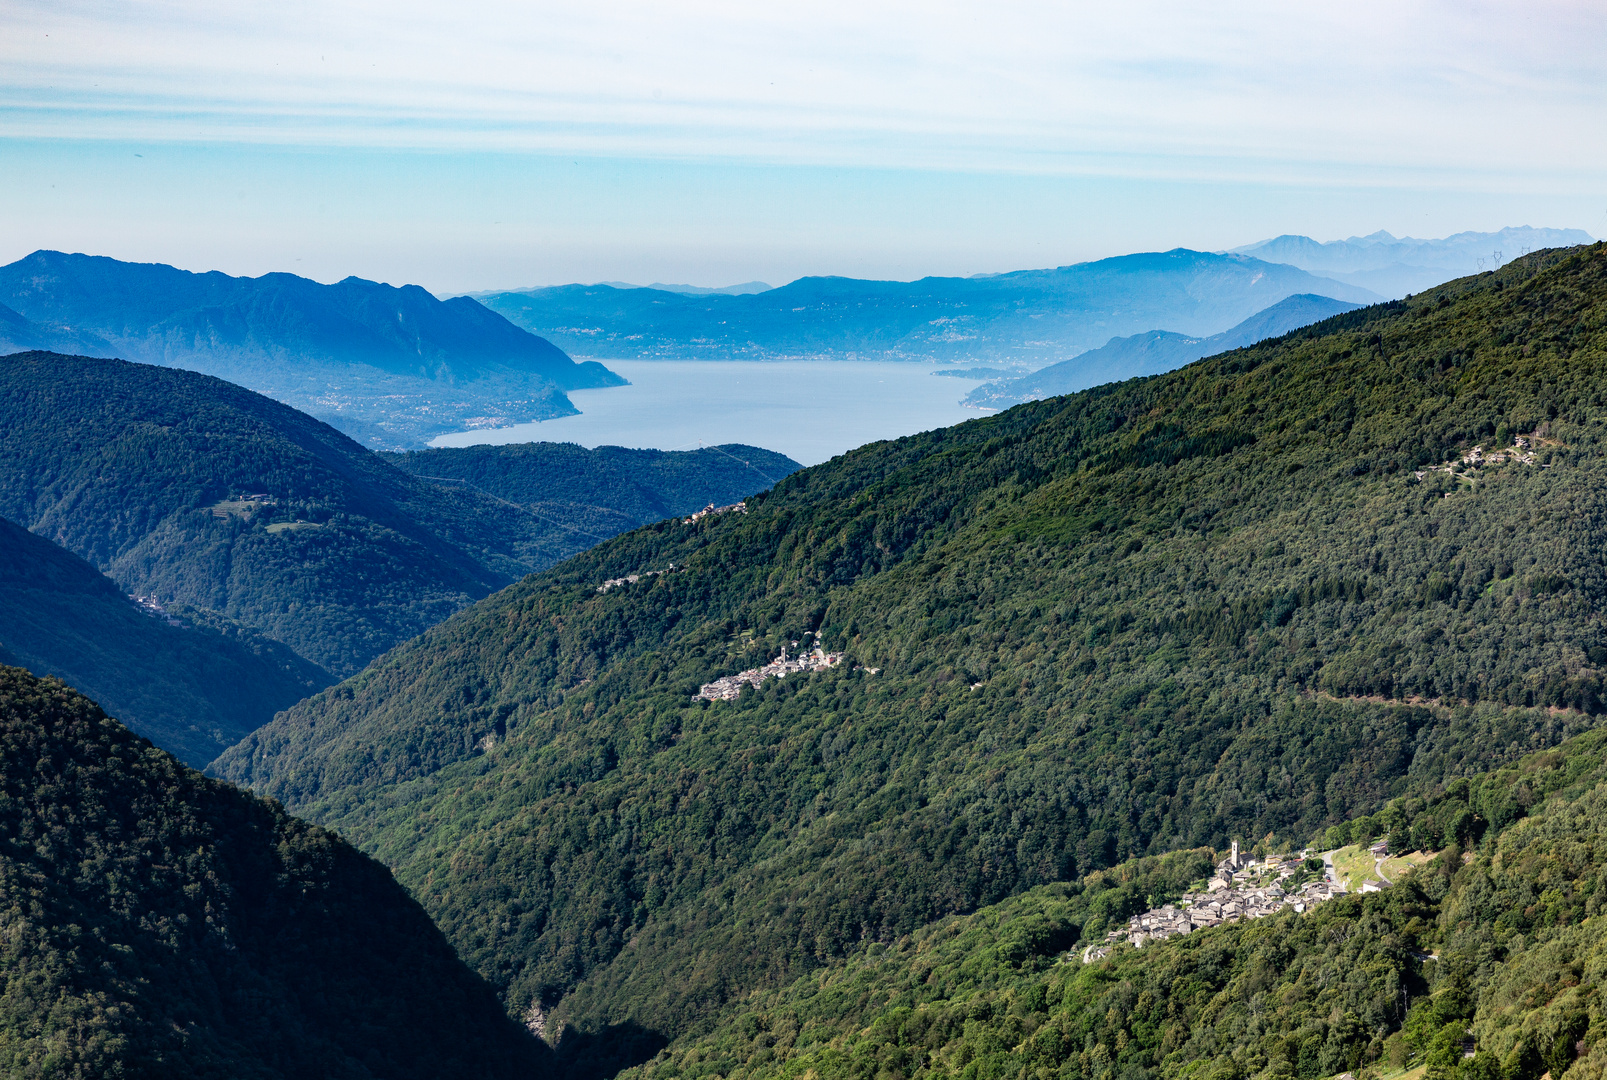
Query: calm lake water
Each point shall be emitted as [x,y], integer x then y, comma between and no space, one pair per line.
[809,410]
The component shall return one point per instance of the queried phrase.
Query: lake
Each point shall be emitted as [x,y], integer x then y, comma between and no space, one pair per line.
[810,410]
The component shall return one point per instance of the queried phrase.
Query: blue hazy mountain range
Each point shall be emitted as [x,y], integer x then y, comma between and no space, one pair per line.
[392,366]
[1395,266]
[1026,318]
[743,289]
[19,334]
[1154,352]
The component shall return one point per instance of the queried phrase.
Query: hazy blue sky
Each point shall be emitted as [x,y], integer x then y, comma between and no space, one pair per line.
[476,145]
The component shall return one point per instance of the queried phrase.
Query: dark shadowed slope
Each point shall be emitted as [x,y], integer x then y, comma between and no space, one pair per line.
[641,485]
[1026,317]
[1243,598]
[1153,353]
[191,684]
[162,925]
[334,350]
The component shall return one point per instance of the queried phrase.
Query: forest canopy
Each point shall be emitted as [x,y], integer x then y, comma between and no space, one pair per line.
[160,924]
[1255,598]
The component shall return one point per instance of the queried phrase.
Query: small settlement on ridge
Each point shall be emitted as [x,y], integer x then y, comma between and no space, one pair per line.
[729,688]
[1240,889]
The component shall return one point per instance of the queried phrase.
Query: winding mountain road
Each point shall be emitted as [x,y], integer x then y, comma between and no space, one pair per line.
[1333,874]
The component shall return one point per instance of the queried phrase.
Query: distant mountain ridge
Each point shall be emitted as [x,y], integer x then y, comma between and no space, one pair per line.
[1024,318]
[742,289]
[1395,266]
[1153,353]
[345,352]
[641,486]
[20,334]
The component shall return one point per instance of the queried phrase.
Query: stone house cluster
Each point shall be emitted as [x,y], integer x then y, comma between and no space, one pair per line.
[151,606]
[1521,451]
[730,687]
[1240,889]
[740,508]
[631,579]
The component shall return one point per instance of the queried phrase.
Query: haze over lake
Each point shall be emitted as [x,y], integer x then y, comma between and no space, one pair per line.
[809,410]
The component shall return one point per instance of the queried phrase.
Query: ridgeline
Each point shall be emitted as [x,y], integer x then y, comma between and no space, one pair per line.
[641,486]
[1024,317]
[389,366]
[1256,597]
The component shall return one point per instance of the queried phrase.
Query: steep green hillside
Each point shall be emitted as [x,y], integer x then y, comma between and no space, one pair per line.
[641,485]
[1502,957]
[144,472]
[159,924]
[193,686]
[1234,600]
[198,492]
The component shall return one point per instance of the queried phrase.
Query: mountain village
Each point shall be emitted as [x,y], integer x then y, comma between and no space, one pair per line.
[1241,888]
[730,687]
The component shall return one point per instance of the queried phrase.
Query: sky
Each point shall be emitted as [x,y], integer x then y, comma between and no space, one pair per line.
[480,145]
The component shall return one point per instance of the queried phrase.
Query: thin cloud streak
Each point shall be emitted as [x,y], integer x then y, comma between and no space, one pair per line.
[1421,94]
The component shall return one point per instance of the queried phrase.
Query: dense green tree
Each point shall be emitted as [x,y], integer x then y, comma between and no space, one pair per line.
[1460,960]
[641,486]
[159,924]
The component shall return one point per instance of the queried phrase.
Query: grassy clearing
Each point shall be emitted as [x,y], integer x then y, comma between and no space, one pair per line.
[1397,867]
[238,507]
[1416,1072]
[1354,865]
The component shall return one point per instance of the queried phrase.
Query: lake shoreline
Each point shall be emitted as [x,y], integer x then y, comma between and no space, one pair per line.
[810,410]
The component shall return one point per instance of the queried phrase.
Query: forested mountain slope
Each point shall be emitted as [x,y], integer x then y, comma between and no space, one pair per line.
[159,924]
[146,471]
[1023,317]
[1488,964]
[198,492]
[1239,599]
[357,353]
[193,686]
[640,485]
